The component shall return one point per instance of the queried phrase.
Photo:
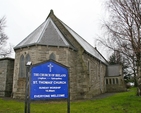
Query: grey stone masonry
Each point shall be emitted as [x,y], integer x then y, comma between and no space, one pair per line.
[115,84]
[6,76]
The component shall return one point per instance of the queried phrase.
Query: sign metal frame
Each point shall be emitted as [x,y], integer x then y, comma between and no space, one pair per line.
[51,78]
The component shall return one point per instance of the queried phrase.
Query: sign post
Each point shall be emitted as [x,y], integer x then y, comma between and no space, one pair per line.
[68,100]
[49,80]
[27,88]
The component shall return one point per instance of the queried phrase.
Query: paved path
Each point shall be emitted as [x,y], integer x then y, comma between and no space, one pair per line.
[104,95]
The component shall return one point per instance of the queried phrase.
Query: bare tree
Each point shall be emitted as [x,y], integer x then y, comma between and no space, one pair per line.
[124,32]
[4,50]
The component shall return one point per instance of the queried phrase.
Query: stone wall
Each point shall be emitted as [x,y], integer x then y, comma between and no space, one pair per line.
[6,76]
[95,76]
[115,84]
[84,83]
[37,54]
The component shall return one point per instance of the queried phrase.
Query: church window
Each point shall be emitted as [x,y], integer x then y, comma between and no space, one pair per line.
[22,67]
[27,58]
[52,56]
[113,81]
[106,81]
[116,80]
[88,67]
[110,81]
[97,71]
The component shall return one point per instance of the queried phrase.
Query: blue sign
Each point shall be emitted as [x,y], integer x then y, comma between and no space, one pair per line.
[49,80]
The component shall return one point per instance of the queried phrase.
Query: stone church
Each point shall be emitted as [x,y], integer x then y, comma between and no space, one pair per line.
[53,39]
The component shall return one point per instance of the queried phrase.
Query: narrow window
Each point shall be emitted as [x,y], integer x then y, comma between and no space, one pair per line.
[110,81]
[116,80]
[27,58]
[106,81]
[88,66]
[113,81]
[52,56]
[22,67]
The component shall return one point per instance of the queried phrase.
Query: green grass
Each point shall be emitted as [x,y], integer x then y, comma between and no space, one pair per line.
[125,102]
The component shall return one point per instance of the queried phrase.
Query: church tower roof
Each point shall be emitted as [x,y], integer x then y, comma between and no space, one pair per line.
[52,32]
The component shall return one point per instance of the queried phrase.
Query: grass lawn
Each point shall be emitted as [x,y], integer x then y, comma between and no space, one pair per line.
[125,102]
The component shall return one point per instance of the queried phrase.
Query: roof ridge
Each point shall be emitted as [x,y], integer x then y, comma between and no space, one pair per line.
[43,30]
[51,13]
[100,54]
[78,34]
[61,30]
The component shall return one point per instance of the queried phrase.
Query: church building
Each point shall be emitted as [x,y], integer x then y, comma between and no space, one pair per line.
[53,39]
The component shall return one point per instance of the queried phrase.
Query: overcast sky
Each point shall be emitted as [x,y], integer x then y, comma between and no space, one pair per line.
[24,16]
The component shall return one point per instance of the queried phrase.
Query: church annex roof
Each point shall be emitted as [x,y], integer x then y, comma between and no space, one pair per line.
[49,34]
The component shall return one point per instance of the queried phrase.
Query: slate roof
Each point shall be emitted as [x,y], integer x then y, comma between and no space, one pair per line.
[87,47]
[114,70]
[46,34]
[49,34]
